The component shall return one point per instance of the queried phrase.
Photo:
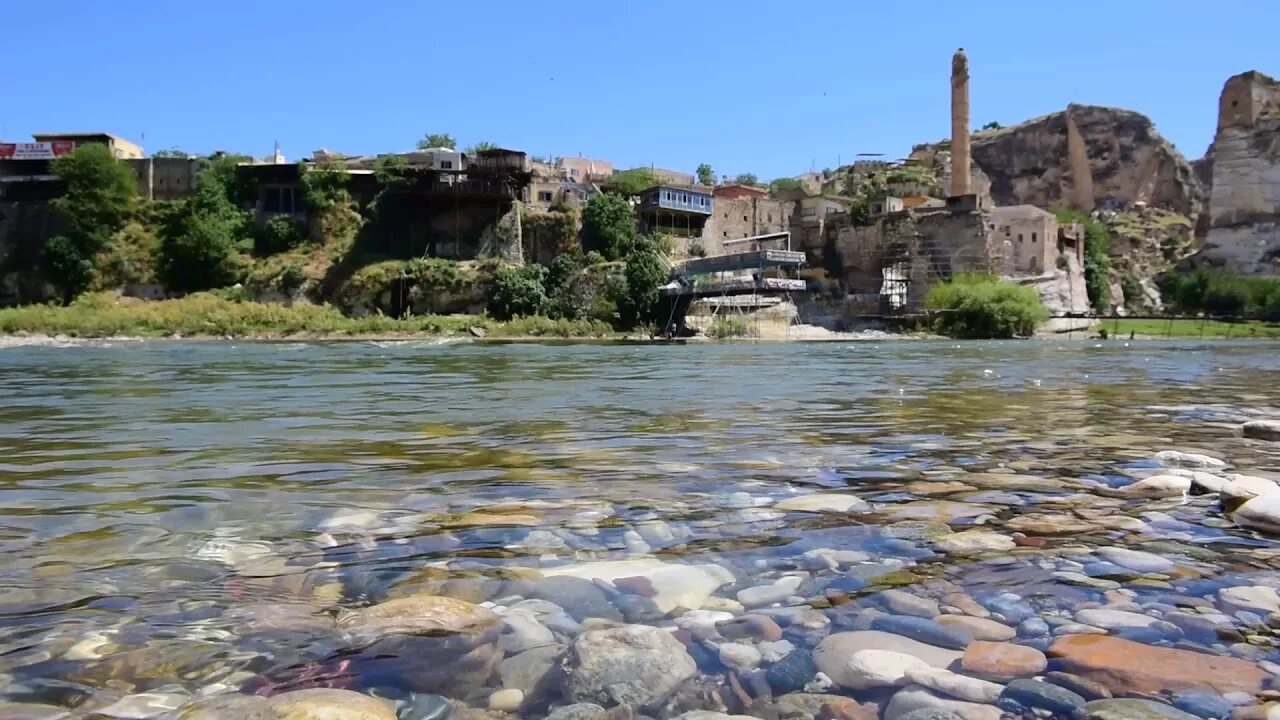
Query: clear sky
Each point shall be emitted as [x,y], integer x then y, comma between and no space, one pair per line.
[773,88]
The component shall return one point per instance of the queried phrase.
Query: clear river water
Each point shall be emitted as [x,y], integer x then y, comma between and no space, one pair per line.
[467,530]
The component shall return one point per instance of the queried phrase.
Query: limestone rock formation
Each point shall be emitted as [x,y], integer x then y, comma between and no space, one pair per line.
[1244,209]
[1128,161]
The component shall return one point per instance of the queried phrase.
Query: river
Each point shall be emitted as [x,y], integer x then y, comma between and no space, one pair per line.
[190,520]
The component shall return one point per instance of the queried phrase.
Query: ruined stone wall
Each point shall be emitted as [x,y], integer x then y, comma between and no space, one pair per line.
[734,218]
[1244,231]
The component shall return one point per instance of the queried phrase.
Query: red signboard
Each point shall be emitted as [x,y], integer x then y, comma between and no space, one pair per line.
[35,151]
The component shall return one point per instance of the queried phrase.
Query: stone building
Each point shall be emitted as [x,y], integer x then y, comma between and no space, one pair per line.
[734,218]
[165,178]
[1028,236]
[583,170]
[1246,98]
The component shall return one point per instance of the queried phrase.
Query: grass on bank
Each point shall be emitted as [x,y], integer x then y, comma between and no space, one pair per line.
[206,314]
[1254,329]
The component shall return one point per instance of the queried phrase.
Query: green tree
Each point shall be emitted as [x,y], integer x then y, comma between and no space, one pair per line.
[783,185]
[481,147]
[632,182]
[173,152]
[608,226]
[645,274]
[973,305]
[706,176]
[100,196]
[437,140]
[747,179]
[389,169]
[198,246]
[518,291]
[993,125]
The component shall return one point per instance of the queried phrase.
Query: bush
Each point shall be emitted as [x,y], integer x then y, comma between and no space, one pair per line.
[697,250]
[980,306]
[518,292]
[1221,293]
[324,185]
[200,253]
[730,326]
[1133,296]
[280,234]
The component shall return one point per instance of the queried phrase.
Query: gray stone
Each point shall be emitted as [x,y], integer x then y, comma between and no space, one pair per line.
[1114,619]
[1202,704]
[926,631]
[901,602]
[522,632]
[831,656]
[627,665]
[1261,429]
[961,687]
[739,656]
[930,714]
[915,697]
[1084,687]
[1136,560]
[1033,627]
[776,592]
[792,672]
[578,711]
[1134,709]
[1044,696]
[579,597]
[532,671]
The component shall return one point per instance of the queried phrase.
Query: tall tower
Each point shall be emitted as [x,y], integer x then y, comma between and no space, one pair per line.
[960,123]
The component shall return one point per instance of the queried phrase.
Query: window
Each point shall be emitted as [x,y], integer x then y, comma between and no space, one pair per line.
[446,164]
[544,196]
[726,216]
[807,212]
[744,218]
[1033,237]
[1019,237]
[725,233]
[769,217]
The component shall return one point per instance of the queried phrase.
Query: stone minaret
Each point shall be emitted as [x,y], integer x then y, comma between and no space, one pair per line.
[960,124]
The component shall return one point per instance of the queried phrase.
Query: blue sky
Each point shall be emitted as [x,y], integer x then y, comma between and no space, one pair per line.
[773,88]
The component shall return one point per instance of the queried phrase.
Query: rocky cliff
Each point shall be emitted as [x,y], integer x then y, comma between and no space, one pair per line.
[1116,158]
[1244,208]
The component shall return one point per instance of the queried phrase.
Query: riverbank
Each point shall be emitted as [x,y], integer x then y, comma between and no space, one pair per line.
[1251,329]
[98,315]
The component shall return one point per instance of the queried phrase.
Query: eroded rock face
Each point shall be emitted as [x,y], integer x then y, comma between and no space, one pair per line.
[1128,161]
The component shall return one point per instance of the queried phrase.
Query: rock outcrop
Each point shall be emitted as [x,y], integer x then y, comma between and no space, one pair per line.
[1244,209]
[1040,162]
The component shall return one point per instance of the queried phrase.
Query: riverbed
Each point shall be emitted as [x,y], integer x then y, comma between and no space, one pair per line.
[426,529]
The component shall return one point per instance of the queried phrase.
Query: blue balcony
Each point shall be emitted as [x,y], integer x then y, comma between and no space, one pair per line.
[676,199]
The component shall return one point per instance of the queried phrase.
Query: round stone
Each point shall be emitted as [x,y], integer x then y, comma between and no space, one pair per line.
[508,700]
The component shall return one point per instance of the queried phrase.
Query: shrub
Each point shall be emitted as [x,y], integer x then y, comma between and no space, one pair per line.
[280,234]
[1097,263]
[518,291]
[980,306]
[1133,295]
[324,185]
[697,250]
[730,326]
[1221,293]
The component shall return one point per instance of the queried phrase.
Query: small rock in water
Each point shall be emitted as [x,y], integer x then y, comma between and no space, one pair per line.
[1260,513]
[739,656]
[758,627]
[961,687]
[926,631]
[1032,627]
[930,714]
[792,672]
[772,652]
[1085,688]
[904,603]
[1035,694]
[1133,668]
[982,628]
[880,668]
[1010,607]
[1134,709]
[824,502]
[578,711]
[1261,429]
[508,700]
[630,664]
[1202,704]
[916,697]
[1174,458]
[1002,662]
[1159,486]
[142,706]
[1114,619]
[1136,560]
[776,592]
[972,542]
[1239,488]
[1257,598]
